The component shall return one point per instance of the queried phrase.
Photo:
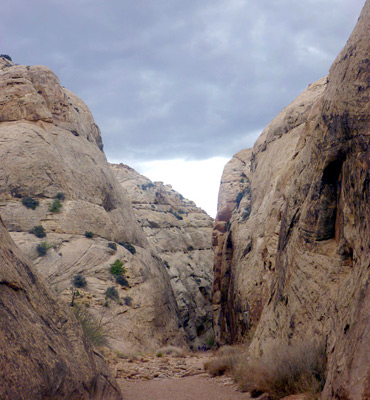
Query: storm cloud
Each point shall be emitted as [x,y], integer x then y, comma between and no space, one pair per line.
[180,79]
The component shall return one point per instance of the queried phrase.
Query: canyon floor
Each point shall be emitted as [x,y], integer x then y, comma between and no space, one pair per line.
[172,378]
[175,378]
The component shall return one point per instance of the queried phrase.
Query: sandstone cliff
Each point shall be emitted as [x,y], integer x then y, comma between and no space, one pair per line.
[181,234]
[51,147]
[43,352]
[296,264]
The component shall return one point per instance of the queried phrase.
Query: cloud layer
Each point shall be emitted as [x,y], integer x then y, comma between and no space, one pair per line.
[180,79]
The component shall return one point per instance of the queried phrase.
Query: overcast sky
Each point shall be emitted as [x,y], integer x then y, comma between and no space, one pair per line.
[192,81]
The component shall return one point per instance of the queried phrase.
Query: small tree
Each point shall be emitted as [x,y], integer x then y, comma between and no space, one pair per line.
[89,234]
[29,202]
[42,248]
[79,281]
[111,293]
[121,280]
[38,231]
[6,57]
[55,206]
[60,196]
[117,268]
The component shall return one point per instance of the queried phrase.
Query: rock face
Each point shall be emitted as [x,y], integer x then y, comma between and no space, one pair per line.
[50,145]
[298,265]
[43,352]
[181,234]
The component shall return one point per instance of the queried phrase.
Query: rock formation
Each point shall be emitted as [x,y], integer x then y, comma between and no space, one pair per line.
[292,251]
[51,147]
[181,234]
[43,352]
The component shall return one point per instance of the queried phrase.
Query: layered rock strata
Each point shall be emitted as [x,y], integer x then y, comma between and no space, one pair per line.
[51,147]
[305,245]
[181,234]
[43,352]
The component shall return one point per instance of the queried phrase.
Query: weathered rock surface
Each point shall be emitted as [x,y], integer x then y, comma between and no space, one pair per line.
[305,246]
[252,196]
[181,234]
[50,144]
[43,352]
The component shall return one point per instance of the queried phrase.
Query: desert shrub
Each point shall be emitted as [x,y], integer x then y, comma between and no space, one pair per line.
[79,281]
[117,268]
[210,341]
[128,246]
[121,280]
[239,198]
[147,185]
[112,245]
[42,248]
[111,293]
[127,300]
[30,202]
[171,350]
[227,360]
[93,329]
[55,206]
[38,231]
[285,370]
[60,196]
[6,56]
[89,234]
[175,214]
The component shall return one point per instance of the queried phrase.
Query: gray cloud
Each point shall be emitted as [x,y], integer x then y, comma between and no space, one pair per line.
[170,78]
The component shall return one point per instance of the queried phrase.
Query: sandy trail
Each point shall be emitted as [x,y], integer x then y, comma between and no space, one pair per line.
[172,378]
[188,388]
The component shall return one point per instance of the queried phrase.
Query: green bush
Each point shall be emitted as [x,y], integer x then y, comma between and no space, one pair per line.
[38,231]
[79,281]
[29,202]
[93,329]
[117,268]
[111,293]
[128,246]
[112,245]
[60,196]
[121,280]
[127,300]
[89,234]
[55,206]
[42,248]
[6,56]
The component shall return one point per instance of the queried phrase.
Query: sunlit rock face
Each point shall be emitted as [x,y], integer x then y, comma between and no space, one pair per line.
[50,144]
[298,265]
[181,234]
[43,352]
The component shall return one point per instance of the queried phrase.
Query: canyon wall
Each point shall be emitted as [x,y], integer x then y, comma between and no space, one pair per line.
[51,147]
[181,234]
[292,250]
[43,351]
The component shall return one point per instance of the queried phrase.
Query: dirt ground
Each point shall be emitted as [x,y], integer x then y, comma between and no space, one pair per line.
[172,378]
[188,388]
[175,378]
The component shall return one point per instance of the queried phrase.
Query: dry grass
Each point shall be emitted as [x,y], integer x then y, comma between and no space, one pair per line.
[285,370]
[170,350]
[227,359]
